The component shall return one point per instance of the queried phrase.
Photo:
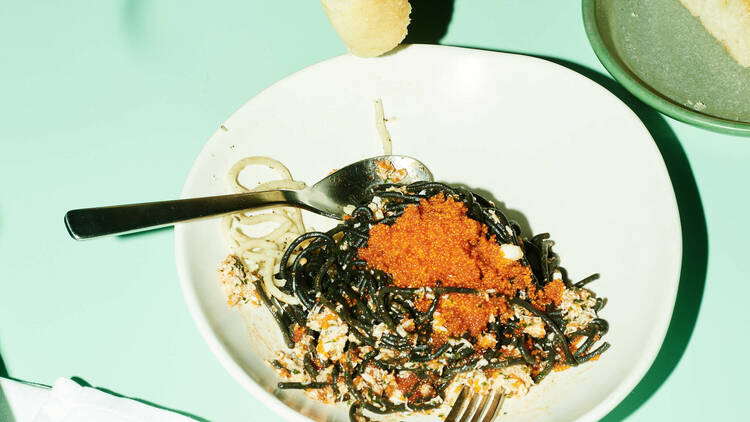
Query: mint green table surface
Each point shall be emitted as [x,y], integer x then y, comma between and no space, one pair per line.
[109,102]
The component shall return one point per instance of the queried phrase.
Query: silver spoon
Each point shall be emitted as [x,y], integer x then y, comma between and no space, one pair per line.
[328,197]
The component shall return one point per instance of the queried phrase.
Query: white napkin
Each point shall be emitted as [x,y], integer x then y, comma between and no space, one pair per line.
[69,402]
[19,401]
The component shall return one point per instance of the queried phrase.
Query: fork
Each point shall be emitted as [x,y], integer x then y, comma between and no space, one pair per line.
[490,408]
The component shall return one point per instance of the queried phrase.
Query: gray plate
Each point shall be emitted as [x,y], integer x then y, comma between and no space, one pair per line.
[665,57]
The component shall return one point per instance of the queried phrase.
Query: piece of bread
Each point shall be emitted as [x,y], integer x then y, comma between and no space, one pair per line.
[369,28]
[728,21]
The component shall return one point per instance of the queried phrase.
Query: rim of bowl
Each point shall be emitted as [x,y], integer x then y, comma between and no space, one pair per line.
[641,89]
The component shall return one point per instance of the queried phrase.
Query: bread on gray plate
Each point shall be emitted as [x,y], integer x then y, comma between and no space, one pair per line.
[728,21]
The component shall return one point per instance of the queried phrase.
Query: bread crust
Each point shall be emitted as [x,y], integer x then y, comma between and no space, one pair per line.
[728,21]
[369,27]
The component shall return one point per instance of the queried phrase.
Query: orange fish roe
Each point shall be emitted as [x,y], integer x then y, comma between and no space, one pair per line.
[406,383]
[554,291]
[437,241]
[453,311]
[298,333]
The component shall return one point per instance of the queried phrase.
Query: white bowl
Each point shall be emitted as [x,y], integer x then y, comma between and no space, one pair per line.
[558,150]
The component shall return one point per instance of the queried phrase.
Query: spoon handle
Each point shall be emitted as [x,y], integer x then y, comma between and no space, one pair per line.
[89,223]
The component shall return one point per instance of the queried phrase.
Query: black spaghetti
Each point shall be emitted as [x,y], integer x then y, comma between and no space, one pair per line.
[360,337]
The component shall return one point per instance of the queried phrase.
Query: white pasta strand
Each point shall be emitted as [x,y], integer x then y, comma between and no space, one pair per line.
[271,289]
[263,253]
[234,172]
[385,137]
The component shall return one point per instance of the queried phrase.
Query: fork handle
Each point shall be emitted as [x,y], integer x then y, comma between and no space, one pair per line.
[89,223]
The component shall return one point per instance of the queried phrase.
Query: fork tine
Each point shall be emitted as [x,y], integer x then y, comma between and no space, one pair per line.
[470,408]
[457,405]
[481,408]
[499,406]
[495,406]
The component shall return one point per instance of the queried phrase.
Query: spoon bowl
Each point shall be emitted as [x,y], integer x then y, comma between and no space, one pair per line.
[328,197]
[350,185]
